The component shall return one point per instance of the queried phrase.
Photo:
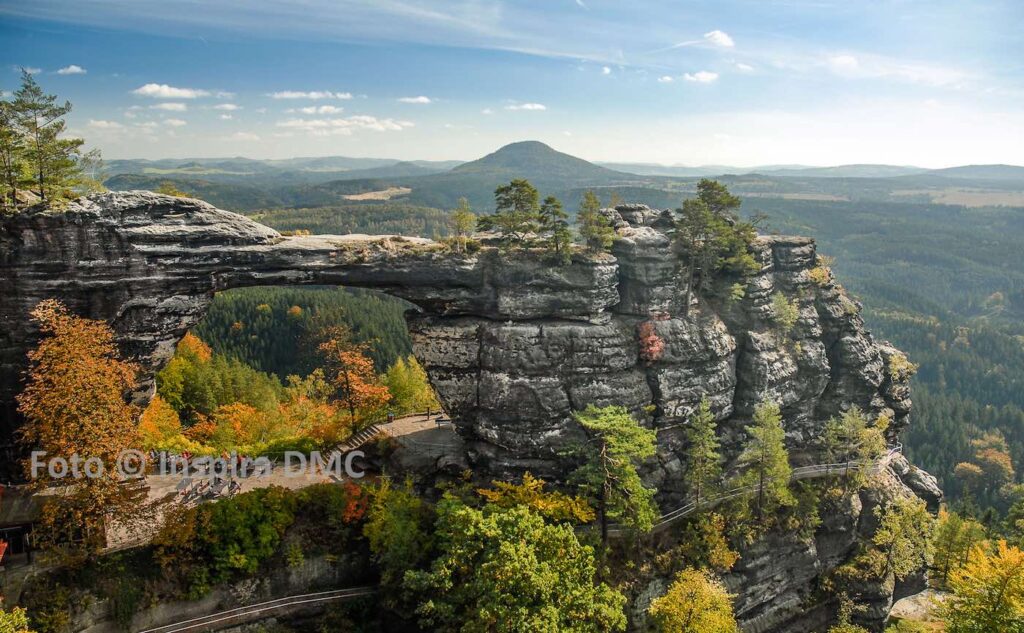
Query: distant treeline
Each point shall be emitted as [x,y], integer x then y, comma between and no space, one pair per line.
[276,330]
[383,218]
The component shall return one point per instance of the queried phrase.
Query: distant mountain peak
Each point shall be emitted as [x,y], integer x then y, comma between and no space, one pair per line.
[537,160]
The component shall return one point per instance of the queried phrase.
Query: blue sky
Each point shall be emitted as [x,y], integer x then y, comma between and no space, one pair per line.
[739,82]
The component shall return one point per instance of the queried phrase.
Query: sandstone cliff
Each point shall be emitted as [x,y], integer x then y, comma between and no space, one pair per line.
[512,343]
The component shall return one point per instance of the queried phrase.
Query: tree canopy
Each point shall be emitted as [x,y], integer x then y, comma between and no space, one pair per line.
[506,570]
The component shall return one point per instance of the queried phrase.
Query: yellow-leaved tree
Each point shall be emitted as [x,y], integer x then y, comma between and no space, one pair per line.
[988,592]
[695,603]
[75,409]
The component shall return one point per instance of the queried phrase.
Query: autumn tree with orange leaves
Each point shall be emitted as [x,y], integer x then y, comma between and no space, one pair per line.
[74,405]
[351,373]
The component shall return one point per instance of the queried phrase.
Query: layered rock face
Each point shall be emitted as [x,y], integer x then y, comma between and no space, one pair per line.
[512,343]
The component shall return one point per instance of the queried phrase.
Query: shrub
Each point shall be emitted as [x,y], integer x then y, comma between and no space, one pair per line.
[900,367]
[784,312]
[652,346]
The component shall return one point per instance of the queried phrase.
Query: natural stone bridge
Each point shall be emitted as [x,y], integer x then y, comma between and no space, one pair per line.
[512,343]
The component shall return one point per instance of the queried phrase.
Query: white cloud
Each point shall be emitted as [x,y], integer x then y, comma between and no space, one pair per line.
[867,66]
[526,106]
[100,124]
[230,107]
[244,136]
[170,107]
[487,111]
[420,99]
[324,109]
[73,69]
[163,91]
[701,76]
[175,122]
[226,117]
[605,70]
[843,64]
[344,126]
[32,70]
[747,68]
[719,38]
[665,79]
[148,125]
[314,95]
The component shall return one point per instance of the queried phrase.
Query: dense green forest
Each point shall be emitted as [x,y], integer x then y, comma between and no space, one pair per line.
[276,330]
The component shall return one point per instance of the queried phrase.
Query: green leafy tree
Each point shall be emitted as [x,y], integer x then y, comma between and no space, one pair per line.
[845,623]
[703,460]
[396,528]
[505,570]
[695,603]
[988,592]
[53,161]
[594,229]
[555,227]
[765,461]
[853,440]
[409,387]
[517,212]
[904,529]
[609,474]
[463,223]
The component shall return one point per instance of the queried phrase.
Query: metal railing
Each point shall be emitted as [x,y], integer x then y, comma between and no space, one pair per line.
[812,471]
[240,615]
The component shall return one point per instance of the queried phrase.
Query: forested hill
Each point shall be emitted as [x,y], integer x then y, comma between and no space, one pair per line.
[277,329]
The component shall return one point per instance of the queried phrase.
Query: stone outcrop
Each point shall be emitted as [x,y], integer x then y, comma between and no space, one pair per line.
[512,343]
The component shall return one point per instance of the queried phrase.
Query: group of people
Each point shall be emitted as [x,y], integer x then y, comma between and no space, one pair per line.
[190,491]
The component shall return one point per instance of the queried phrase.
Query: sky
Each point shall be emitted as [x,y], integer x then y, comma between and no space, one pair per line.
[931,83]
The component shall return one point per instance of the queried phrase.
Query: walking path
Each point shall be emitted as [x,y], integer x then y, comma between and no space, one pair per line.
[262,610]
[166,490]
[813,471]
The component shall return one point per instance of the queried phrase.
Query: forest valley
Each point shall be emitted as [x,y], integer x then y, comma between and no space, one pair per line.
[280,369]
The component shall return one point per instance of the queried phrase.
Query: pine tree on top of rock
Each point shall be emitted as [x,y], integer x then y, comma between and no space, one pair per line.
[516,212]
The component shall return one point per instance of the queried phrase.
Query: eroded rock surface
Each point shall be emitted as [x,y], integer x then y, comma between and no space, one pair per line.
[512,343]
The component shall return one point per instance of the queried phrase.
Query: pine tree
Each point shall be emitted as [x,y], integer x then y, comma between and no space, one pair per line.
[702,456]
[12,156]
[555,227]
[609,474]
[711,238]
[52,161]
[516,212]
[765,461]
[594,229]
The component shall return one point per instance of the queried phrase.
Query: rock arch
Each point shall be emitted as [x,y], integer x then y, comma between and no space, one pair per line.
[511,343]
